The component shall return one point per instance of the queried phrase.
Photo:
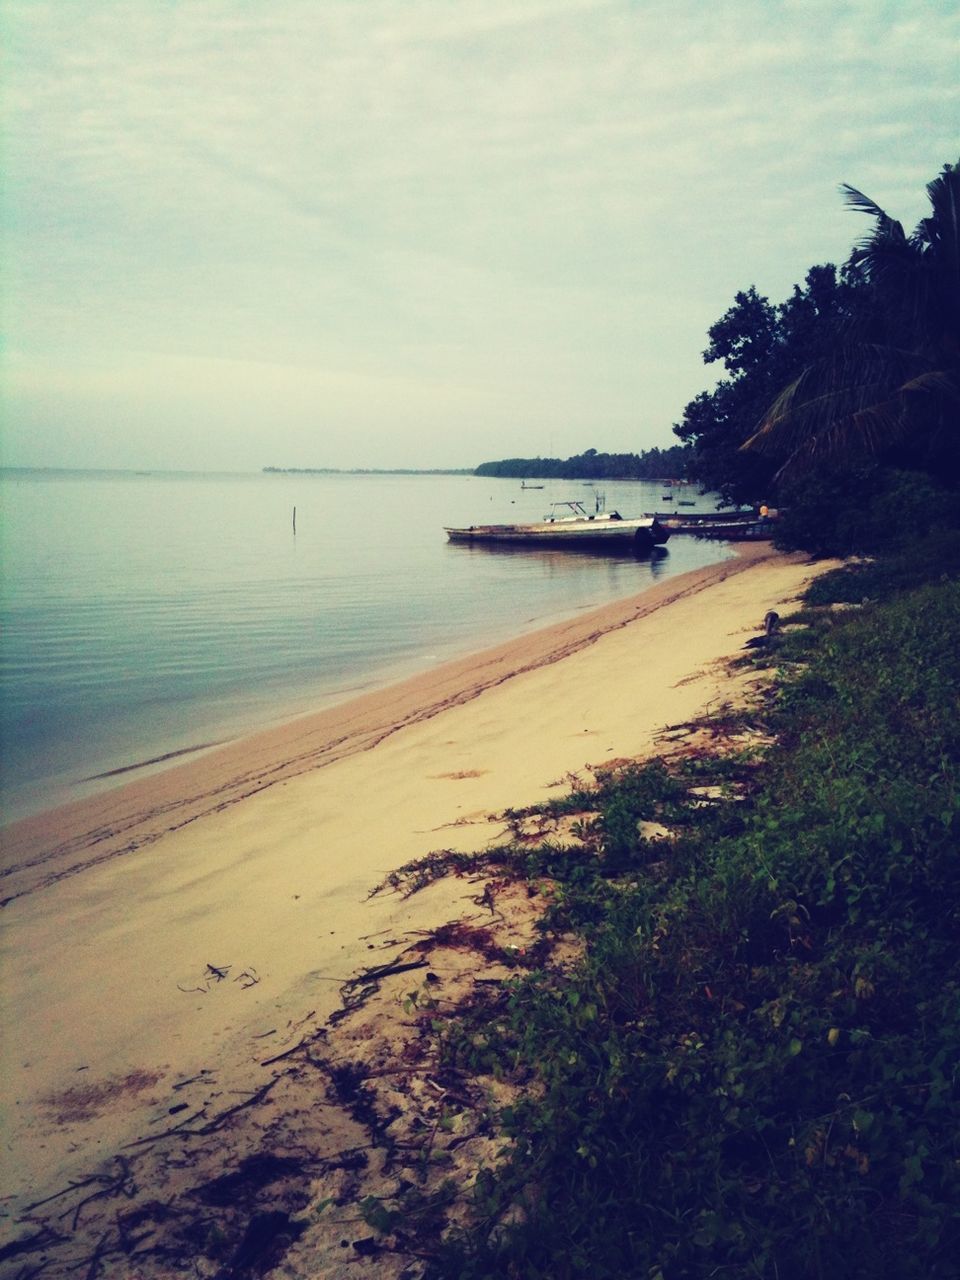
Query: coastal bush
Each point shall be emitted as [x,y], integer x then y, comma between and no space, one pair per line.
[753,1071]
[932,558]
[873,510]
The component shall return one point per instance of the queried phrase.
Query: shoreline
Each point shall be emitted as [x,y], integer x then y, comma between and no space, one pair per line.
[258,859]
[41,848]
[267,626]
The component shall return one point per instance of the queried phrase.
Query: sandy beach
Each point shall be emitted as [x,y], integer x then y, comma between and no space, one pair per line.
[165,940]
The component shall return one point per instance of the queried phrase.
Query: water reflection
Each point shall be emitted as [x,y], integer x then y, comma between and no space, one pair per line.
[621,553]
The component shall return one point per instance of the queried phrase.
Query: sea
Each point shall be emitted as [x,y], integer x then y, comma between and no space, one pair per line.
[145,616]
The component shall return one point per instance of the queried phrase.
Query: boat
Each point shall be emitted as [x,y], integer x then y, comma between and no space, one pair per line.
[570,525]
[734,526]
[524,485]
[758,530]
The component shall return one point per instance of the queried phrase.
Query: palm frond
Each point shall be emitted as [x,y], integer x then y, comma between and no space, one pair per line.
[938,382]
[861,203]
[798,418]
[857,404]
[865,399]
[870,431]
[938,241]
[944,196]
[854,438]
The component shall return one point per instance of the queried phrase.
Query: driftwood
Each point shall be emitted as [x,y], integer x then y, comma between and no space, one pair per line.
[287,1053]
[220,1120]
[166,1133]
[204,1075]
[71,1186]
[122,1182]
[41,1239]
[385,971]
[94,1268]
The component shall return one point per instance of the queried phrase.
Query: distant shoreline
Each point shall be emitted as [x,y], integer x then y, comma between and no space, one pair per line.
[369,471]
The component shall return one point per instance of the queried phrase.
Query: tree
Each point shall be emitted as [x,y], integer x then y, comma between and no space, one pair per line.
[762,346]
[652,464]
[891,391]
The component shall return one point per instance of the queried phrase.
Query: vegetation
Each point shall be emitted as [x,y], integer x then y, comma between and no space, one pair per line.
[894,386]
[836,397]
[652,464]
[762,346]
[753,1069]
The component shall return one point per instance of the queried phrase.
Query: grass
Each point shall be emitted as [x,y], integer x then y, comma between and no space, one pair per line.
[753,1070]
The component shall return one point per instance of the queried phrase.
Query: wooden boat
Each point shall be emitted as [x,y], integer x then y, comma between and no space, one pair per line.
[734,530]
[573,530]
[733,526]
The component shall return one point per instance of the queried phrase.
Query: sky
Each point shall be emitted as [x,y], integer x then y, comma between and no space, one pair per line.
[426,233]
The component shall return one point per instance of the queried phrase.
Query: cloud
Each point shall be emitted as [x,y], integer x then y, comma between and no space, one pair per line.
[465,191]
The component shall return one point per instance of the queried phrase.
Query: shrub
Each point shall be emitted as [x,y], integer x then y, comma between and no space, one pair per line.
[876,510]
[753,1071]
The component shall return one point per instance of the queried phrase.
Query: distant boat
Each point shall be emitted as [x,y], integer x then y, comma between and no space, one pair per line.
[573,530]
[524,485]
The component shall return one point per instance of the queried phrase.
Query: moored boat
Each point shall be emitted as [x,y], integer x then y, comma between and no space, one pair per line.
[734,530]
[734,526]
[576,529]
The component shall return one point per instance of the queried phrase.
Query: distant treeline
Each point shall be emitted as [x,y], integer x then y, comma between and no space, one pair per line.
[652,464]
[370,471]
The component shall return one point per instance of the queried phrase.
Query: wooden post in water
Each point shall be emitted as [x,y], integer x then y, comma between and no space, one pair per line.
[294,521]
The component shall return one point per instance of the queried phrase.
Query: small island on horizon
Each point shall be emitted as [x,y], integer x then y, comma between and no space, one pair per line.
[651,464]
[369,471]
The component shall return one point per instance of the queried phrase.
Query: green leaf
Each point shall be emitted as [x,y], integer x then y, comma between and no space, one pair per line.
[863,1120]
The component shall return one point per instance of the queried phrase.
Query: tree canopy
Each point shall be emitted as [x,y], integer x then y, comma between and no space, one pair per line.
[891,389]
[858,367]
[652,464]
[762,346]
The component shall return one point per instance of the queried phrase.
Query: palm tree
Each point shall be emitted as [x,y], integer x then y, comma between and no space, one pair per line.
[895,382]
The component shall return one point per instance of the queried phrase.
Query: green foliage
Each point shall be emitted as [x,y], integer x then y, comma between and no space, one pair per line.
[754,1069]
[869,511]
[891,390]
[928,559]
[762,346]
[850,371]
[652,464]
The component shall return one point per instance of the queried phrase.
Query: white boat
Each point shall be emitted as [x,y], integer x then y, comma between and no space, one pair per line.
[570,525]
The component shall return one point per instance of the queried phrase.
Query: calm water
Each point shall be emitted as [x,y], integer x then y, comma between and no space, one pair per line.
[150,614]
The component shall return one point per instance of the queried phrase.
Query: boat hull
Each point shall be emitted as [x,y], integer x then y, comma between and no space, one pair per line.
[720,525]
[747,531]
[592,533]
